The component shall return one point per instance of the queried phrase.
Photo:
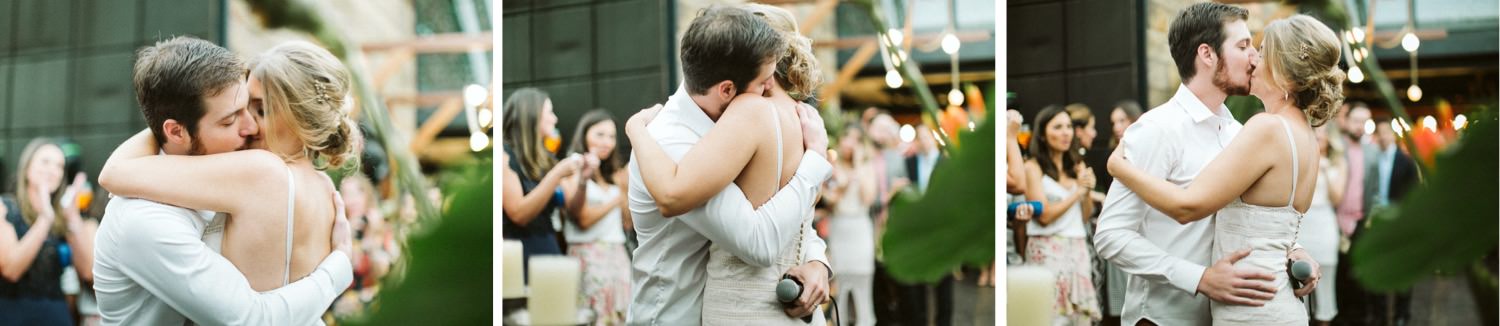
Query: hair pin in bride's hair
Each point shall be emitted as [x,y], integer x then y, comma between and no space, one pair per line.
[1305,50]
[322,93]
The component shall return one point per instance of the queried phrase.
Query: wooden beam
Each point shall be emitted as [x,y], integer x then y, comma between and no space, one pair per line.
[853,42]
[440,43]
[391,66]
[423,99]
[435,124]
[850,68]
[825,8]
[1405,73]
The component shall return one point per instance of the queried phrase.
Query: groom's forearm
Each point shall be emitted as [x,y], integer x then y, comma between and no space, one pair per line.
[758,235]
[1119,241]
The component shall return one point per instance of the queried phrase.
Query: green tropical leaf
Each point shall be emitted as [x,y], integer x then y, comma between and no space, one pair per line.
[1447,224]
[450,265]
[953,223]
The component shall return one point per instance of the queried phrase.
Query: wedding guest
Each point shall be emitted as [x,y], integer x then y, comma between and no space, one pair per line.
[925,157]
[597,236]
[1389,178]
[1124,114]
[1057,236]
[888,162]
[1083,125]
[1355,303]
[1120,118]
[851,238]
[41,234]
[375,245]
[533,185]
[1319,233]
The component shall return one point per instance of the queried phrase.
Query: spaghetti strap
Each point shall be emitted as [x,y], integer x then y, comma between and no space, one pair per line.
[1295,162]
[776,121]
[291,193]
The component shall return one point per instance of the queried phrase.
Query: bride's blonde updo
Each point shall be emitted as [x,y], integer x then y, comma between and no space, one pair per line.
[798,70]
[1302,57]
[305,89]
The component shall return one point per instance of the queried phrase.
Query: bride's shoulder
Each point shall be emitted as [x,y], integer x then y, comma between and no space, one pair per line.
[1261,125]
[748,109]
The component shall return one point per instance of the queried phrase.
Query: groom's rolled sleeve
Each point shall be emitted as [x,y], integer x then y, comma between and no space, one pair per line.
[1152,148]
[757,235]
[167,258]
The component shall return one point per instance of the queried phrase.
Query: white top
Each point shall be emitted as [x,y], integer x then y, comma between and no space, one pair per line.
[1165,259]
[738,293]
[609,229]
[1070,225]
[152,268]
[668,270]
[1270,233]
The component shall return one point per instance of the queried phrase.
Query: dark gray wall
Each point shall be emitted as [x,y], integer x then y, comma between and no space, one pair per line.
[65,69]
[1078,51]
[610,54]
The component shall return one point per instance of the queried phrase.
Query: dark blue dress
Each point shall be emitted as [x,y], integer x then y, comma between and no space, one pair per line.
[538,237]
[36,298]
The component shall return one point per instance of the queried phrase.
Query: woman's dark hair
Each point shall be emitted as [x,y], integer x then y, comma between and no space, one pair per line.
[580,144]
[520,115]
[1043,153]
[1132,113]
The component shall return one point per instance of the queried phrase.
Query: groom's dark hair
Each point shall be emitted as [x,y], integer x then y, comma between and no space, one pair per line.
[1200,23]
[173,77]
[727,43]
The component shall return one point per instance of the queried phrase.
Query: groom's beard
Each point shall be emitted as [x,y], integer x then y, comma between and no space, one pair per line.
[1221,80]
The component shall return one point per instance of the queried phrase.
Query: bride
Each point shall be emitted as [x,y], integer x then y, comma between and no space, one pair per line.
[734,150]
[1263,182]
[276,194]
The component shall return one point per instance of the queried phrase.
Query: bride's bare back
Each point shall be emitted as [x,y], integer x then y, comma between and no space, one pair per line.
[755,179]
[255,239]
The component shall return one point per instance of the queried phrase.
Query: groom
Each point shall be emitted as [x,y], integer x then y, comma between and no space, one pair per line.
[726,51]
[151,264]
[1211,46]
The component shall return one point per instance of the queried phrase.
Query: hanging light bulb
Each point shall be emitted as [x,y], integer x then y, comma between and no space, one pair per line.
[485,117]
[1414,93]
[478,141]
[950,43]
[1410,42]
[892,79]
[1369,127]
[1359,35]
[1349,36]
[908,133]
[971,126]
[1429,123]
[1356,76]
[894,35]
[474,95]
[1460,121]
[1399,126]
[955,97]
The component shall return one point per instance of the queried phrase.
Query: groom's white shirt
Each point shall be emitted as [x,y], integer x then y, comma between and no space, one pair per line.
[669,268]
[151,267]
[1165,259]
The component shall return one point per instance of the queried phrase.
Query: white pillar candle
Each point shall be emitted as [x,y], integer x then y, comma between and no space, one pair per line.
[513,284]
[554,290]
[1031,296]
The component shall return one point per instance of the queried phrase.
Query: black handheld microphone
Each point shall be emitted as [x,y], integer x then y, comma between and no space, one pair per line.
[787,292]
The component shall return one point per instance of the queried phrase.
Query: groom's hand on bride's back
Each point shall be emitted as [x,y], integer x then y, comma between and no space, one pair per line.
[342,236]
[1223,282]
[814,133]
